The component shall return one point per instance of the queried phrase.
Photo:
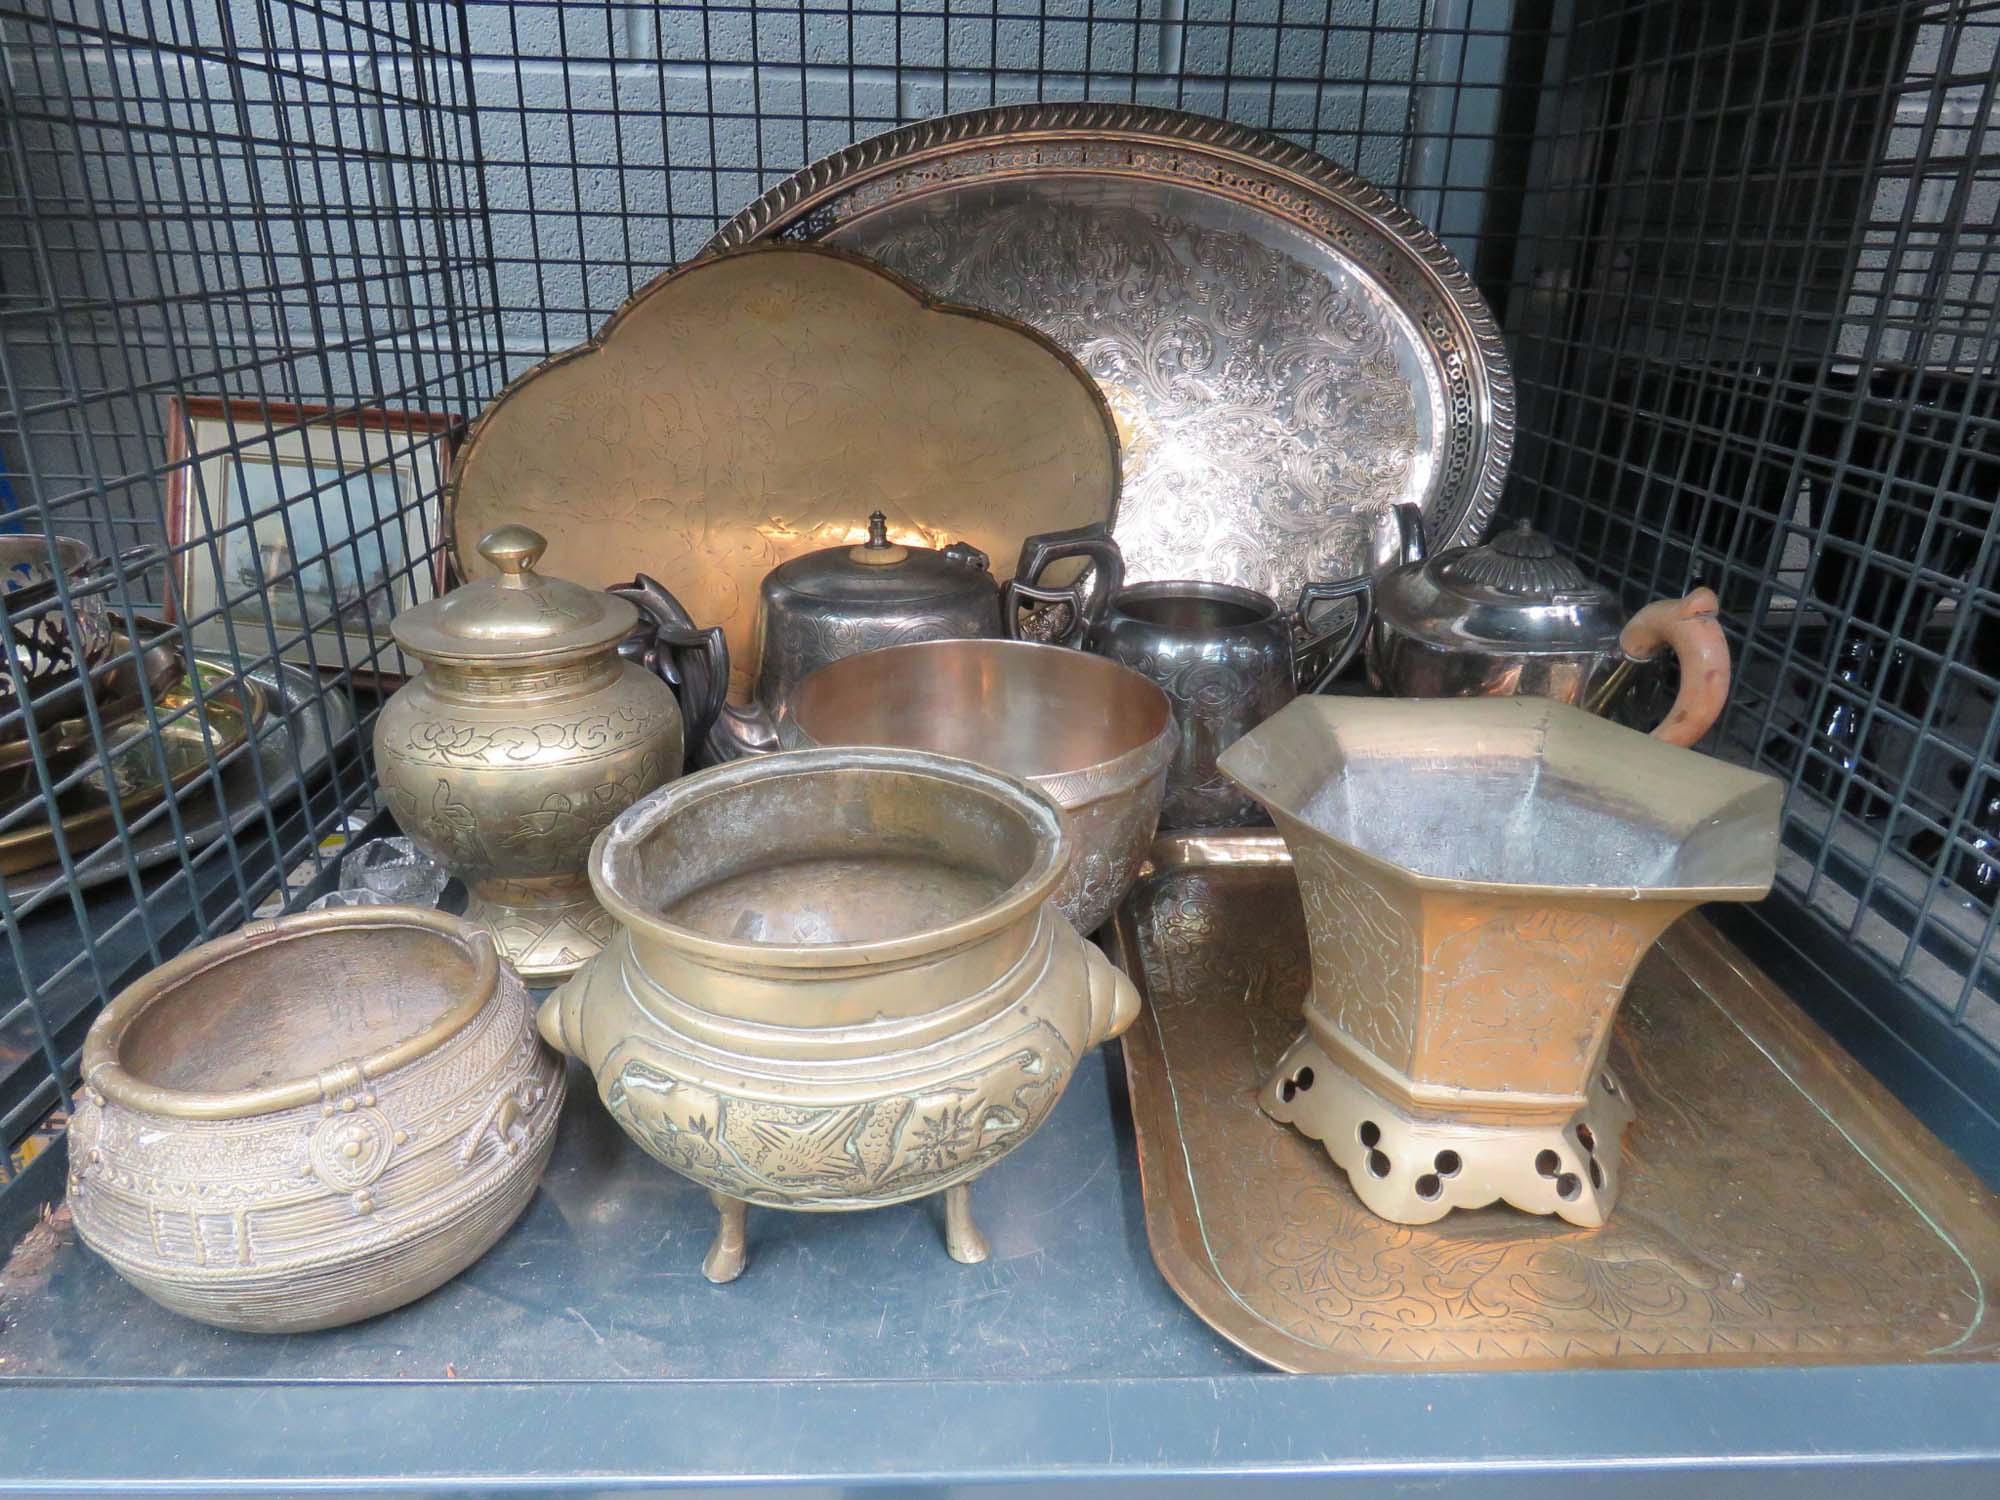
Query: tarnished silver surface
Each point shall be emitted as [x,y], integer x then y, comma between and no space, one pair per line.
[1223,656]
[1287,351]
[1516,618]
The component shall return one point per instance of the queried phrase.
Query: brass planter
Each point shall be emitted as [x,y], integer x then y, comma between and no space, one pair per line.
[525,734]
[838,982]
[312,1120]
[1480,878]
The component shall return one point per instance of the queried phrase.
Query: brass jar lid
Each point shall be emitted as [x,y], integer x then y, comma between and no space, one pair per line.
[516,616]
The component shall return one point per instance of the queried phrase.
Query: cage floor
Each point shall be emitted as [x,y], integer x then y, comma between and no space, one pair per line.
[601,1280]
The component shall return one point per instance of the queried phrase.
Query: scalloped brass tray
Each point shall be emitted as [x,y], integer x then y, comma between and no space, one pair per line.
[1290,353]
[741,410]
[1779,1207]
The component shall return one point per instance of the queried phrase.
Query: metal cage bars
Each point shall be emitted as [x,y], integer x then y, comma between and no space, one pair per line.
[1684,213]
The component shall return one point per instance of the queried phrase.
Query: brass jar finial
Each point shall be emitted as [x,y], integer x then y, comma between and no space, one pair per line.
[513,549]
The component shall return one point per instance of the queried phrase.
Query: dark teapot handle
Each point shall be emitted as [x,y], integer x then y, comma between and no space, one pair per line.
[1361,589]
[1014,594]
[1107,562]
[692,661]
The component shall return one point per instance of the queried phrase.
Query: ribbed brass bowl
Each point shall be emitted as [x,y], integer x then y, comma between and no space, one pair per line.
[312,1120]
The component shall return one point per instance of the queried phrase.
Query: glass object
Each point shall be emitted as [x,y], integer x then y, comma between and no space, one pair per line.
[390,871]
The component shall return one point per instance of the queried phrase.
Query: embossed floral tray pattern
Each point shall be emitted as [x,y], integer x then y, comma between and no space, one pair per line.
[1288,351]
[1779,1206]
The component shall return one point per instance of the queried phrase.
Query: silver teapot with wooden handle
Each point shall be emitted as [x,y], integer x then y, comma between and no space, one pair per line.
[1515,617]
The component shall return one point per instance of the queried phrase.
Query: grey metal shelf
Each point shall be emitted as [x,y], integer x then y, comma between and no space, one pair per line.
[585,1354]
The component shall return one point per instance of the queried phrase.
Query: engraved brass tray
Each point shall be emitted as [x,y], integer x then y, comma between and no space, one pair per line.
[132,780]
[742,410]
[1779,1207]
[1288,351]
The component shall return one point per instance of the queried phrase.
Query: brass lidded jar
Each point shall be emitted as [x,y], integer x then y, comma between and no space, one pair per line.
[525,734]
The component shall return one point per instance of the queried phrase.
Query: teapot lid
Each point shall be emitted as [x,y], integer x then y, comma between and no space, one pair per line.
[881,571]
[518,616]
[1515,591]
[1521,563]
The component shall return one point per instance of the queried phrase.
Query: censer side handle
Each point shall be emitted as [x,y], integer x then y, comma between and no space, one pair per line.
[1690,627]
[560,1018]
[1114,1000]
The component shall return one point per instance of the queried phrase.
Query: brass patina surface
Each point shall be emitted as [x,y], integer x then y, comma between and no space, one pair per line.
[838,982]
[1092,734]
[526,733]
[1480,878]
[1779,1207]
[313,1119]
[141,768]
[738,412]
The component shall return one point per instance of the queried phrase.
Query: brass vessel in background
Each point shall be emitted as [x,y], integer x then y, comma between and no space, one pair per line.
[1480,877]
[740,411]
[311,1120]
[1094,735]
[838,982]
[523,737]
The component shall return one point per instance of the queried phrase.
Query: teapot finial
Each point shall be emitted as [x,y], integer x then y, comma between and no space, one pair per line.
[878,550]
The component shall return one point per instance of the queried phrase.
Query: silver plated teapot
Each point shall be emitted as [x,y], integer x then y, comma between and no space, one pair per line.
[841,601]
[1513,616]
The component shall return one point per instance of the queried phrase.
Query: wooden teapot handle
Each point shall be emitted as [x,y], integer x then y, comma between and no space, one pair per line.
[1690,627]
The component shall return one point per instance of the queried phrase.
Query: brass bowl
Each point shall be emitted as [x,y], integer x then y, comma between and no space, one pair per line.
[312,1120]
[838,981]
[61,719]
[1095,736]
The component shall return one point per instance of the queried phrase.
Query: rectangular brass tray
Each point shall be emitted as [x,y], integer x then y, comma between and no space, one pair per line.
[1779,1206]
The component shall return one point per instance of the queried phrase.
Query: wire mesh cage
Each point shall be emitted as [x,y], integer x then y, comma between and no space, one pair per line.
[260,261]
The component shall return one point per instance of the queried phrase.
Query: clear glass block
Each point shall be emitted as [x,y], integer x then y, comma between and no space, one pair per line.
[395,871]
[347,898]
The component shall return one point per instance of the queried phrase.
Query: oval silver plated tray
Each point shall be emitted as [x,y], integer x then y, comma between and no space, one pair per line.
[1288,352]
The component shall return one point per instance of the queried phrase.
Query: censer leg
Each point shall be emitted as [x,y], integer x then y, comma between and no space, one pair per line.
[961,1236]
[724,1261]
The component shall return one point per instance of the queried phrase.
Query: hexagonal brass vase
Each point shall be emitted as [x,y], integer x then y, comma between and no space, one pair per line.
[1481,877]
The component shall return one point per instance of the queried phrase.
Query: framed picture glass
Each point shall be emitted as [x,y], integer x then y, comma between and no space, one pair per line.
[294,527]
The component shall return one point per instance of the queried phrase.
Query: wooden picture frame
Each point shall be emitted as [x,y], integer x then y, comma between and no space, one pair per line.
[338,513]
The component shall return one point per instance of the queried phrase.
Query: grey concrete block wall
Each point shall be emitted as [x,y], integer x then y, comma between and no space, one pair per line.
[407,204]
